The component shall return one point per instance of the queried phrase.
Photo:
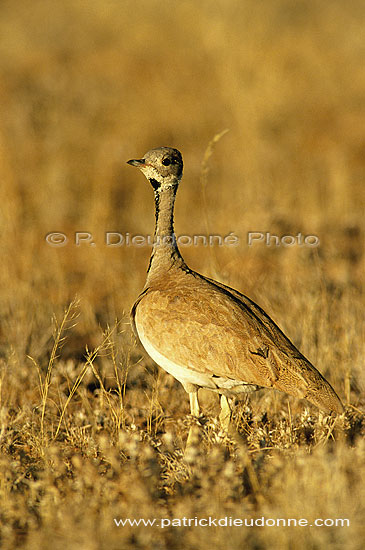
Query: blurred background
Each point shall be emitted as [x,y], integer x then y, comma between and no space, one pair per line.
[85,86]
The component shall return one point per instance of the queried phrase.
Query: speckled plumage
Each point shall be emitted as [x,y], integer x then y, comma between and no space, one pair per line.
[205,333]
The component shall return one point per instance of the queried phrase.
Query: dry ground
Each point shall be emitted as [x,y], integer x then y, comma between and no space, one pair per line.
[91,430]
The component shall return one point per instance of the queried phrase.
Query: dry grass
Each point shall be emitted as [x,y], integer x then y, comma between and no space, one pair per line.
[91,430]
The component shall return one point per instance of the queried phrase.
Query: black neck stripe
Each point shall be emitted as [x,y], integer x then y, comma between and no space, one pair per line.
[155,184]
[157,204]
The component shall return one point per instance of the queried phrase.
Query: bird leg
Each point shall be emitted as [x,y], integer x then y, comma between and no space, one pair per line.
[225,415]
[194,404]
[195,411]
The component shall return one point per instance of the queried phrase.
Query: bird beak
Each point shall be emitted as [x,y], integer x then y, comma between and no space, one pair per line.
[137,162]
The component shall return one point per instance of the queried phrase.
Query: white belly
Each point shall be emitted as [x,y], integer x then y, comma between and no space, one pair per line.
[183,374]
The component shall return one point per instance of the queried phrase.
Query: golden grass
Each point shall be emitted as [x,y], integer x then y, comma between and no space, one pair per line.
[91,430]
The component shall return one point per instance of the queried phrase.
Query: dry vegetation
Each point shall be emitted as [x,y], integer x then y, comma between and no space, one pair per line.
[91,430]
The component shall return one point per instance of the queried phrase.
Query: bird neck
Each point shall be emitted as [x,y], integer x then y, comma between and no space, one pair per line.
[165,253]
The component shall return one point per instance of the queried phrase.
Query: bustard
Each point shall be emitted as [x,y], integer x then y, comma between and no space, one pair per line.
[204,333]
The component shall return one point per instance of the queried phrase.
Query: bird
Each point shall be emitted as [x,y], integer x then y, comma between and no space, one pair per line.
[205,333]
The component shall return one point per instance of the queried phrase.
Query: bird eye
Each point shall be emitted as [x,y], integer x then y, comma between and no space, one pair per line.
[166,162]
